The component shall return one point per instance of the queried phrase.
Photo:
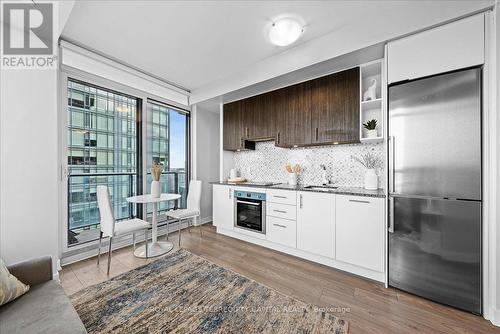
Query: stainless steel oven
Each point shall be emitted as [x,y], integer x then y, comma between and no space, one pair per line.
[250,211]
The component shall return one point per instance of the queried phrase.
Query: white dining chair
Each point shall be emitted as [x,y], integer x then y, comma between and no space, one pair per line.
[192,210]
[109,227]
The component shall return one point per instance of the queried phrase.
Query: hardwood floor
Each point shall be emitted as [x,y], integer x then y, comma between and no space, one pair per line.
[367,305]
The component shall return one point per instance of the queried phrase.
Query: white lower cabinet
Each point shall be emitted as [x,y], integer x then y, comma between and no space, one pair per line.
[316,223]
[360,231]
[347,231]
[281,231]
[223,206]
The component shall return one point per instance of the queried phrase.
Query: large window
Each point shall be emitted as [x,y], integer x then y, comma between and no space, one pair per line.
[104,147]
[102,150]
[167,145]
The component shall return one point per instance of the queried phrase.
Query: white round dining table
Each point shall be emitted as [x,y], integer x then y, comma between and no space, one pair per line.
[155,247]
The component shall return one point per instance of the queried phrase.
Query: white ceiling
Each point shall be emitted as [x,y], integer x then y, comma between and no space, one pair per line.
[197,44]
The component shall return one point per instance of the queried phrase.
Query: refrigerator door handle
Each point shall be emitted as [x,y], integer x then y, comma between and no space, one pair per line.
[391,215]
[392,172]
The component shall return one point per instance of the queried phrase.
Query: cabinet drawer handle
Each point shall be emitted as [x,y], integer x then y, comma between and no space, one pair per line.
[316,134]
[300,201]
[358,201]
[280,211]
[391,215]
[278,137]
[279,225]
[277,196]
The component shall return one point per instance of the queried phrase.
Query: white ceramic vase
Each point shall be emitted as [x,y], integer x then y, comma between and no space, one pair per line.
[371,179]
[292,179]
[155,189]
[371,133]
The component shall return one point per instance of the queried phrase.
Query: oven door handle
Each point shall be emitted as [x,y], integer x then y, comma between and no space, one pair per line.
[250,203]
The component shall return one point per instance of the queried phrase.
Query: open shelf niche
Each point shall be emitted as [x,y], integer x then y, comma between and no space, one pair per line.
[371,108]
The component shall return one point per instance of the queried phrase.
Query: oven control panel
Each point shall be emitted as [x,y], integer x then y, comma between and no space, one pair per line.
[250,195]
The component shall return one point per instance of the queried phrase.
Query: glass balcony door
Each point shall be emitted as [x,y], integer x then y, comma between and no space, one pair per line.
[167,144]
[102,149]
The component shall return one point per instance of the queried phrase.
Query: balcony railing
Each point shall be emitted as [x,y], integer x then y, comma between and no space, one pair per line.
[83,212]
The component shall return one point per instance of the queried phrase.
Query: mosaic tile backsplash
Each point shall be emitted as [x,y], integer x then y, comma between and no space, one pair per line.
[267,163]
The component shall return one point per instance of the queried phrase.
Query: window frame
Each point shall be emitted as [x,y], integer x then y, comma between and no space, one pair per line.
[142,97]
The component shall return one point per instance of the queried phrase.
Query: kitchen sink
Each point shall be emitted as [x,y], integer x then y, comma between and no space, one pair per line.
[325,188]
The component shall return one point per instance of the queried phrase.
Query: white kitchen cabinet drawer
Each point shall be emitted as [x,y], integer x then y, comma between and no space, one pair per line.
[281,196]
[445,48]
[316,223]
[360,231]
[281,210]
[281,231]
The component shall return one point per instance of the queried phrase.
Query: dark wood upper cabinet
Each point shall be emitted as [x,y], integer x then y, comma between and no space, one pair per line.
[234,129]
[232,123]
[293,107]
[258,118]
[335,108]
[316,112]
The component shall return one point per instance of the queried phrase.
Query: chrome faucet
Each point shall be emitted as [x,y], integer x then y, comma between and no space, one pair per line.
[324,179]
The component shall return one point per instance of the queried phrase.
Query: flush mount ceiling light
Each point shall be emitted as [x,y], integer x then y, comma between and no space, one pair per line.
[285,31]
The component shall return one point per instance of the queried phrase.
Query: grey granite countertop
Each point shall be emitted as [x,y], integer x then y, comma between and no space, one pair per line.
[356,191]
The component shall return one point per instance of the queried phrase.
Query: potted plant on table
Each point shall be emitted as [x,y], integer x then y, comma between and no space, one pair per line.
[370,161]
[156,171]
[371,128]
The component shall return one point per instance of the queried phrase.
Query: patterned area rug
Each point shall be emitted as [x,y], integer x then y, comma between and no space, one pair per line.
[184,293]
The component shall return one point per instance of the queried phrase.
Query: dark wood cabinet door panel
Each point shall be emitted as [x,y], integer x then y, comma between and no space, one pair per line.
[266,118]
[258,120]
[249,112]
[335,108]
[293,105]
[351,105]
[278,109]
[234,129]
[232,125]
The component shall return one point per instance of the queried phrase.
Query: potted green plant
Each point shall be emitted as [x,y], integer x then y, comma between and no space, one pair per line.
[371,128]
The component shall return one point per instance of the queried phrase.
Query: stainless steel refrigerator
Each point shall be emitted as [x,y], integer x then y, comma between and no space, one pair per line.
[435,188]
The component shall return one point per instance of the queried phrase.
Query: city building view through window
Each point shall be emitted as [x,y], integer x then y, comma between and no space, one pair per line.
[103,150]
[167,133]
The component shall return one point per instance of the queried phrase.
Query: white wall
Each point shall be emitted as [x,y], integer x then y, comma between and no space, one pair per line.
[28,165]
[207,156]
[29,168]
